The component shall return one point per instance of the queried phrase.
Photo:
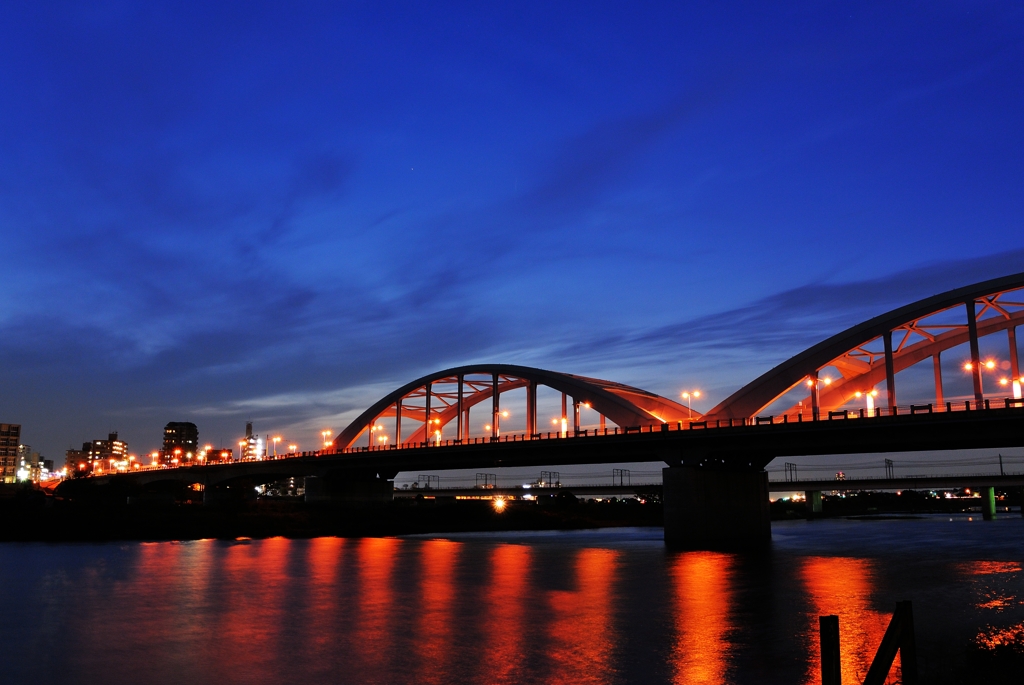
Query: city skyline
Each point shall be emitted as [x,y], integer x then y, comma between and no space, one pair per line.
[219,217]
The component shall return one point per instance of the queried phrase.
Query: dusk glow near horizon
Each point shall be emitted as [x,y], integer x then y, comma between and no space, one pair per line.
[280,213]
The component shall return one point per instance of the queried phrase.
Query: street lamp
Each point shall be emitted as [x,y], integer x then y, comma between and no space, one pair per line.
[689,396]
[869,399]
[241,450]
[1014,383]
[292,449]
[276,440]
[326,434]
[987,365]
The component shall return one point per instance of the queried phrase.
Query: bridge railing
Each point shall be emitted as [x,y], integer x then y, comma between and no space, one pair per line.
[756,421]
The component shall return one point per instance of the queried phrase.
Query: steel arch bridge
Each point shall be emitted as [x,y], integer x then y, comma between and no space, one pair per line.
[710,457]
[860,358]
[438,399]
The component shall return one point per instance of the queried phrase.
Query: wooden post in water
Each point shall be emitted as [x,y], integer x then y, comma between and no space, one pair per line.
[831,674]
[899,637]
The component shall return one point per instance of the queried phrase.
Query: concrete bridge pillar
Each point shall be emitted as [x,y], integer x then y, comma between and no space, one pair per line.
[715,509]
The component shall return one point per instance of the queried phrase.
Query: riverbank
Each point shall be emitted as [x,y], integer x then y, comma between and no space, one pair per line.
[64,521]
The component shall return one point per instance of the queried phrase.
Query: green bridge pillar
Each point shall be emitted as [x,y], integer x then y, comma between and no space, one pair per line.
[988,503]
[715,509]
[813,498]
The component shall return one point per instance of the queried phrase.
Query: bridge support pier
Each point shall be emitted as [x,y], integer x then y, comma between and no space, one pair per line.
[988,503]
[813,499]
[715,509]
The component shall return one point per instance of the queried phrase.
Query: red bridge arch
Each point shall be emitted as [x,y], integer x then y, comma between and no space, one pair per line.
[874,351]
[446,396]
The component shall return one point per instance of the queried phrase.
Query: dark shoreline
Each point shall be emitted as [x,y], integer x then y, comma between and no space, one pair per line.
[65,521]
[33,516]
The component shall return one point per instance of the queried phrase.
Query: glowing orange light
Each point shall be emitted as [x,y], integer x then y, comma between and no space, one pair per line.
[968,366]
[990,364]
[1004,381]
[499,505]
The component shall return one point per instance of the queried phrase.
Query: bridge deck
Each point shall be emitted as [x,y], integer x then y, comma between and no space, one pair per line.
[737,446]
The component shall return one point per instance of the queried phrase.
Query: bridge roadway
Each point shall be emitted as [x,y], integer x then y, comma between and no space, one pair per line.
[920,483]
[747,446]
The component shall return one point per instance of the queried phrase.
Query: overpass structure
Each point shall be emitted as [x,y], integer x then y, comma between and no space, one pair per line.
[821,401]
[920,483]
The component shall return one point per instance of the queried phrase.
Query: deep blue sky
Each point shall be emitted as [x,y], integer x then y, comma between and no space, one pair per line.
[280,211]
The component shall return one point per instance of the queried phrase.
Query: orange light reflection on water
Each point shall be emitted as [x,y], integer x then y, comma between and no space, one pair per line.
[373,622]
[324,559]
[504,623]
[437,590]
[989,582]
[582,631]
[993,638]
[843,587]
[702,600]
[249,631]
[988,568]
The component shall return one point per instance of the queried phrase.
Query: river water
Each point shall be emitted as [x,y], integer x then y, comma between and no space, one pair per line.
[606,606]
